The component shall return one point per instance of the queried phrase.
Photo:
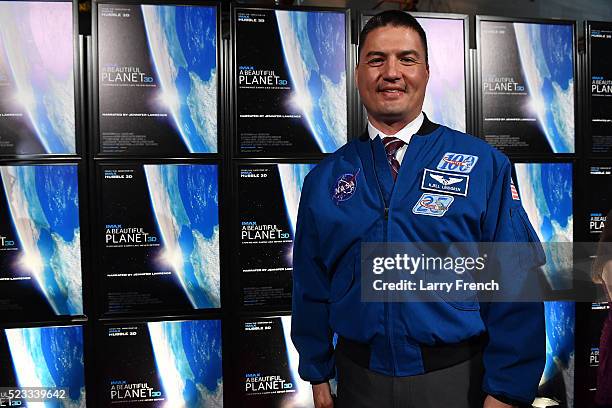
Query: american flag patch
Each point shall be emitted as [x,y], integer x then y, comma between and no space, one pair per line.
[515,195]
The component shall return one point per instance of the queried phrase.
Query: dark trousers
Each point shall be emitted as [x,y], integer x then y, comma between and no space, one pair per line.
[459,386]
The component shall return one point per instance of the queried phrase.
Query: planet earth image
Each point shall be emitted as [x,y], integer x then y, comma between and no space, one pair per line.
[545,190]
[292,179]
[36,39]
[560,330]
[314,46]
[446,50]
[44,206]
[50,357]
[546,53]
[183,45]
[185,201]
[188,360]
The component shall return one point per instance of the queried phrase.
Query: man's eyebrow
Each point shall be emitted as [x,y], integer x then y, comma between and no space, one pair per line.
[376,53]
[382,54]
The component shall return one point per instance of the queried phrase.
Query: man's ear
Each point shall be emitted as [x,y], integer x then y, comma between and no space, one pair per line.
[356,76]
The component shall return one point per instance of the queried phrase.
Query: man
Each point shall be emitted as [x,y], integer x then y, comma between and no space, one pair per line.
[415,355]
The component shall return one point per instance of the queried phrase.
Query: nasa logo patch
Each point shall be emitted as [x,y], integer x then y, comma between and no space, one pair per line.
[457,162]
[434,205]
[345,187]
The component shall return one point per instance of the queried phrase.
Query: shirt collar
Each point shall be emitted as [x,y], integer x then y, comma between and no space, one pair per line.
[405,134]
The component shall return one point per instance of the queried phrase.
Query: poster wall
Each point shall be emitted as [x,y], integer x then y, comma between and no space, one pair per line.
[40,241]
[527,86]
[161,364]
[157,79]
[159,237]
[545,191]
[37,87]
[599,36]
[290,81]
[446,45]
[268,203]
[48,357]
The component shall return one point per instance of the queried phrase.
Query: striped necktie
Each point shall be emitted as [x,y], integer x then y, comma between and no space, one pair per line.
[392,145]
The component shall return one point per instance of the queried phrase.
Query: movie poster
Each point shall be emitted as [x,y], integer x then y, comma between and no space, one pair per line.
[527,86]
[445,48]
[157,78]
[268,203]
[268,369]
[600,39]
[37,102]
[290,81]
[161,364]
[40,242]
[159,237]
[598,314]
[599,202]
[49,358]
[545,191]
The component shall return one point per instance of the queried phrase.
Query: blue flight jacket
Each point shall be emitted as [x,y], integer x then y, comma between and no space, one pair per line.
[349,198]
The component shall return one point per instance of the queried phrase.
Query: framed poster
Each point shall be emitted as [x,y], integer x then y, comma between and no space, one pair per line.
[40,242]
[48,357]
[546,194]
[160,364]
[527,85]
[268,199]
[267,366]
[156,72]
[599,47]
[290,78]
[37,78]
[158,237]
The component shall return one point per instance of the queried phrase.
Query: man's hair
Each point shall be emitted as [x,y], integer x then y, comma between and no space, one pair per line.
[393,18]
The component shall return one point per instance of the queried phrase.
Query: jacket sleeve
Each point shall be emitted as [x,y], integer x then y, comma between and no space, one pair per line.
[310,331]
[515,355]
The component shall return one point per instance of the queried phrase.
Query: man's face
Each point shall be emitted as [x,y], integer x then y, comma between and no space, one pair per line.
[392,74]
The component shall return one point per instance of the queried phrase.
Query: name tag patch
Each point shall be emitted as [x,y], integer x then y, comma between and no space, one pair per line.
[434,205]
[450,183]
[457,162]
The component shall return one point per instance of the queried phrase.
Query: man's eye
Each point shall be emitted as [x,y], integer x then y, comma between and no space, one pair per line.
[407,60]
[376,61]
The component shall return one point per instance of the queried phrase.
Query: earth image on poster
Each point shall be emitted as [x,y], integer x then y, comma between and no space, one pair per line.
[546,194]
[183,45]
[50,357]
[186,206]
[546,53]
[292,179]
[188,359]
[560,329]
[44,206]
[36,40]
[314,45]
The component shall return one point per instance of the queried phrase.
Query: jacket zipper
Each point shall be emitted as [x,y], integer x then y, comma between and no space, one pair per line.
[387,305]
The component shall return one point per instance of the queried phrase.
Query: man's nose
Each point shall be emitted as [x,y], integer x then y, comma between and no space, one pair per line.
[391,70]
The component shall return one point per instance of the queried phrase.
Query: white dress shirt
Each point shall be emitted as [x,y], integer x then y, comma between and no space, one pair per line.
[405,134]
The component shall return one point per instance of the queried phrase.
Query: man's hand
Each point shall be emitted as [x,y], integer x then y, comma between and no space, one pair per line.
[491,402]
[321,394]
